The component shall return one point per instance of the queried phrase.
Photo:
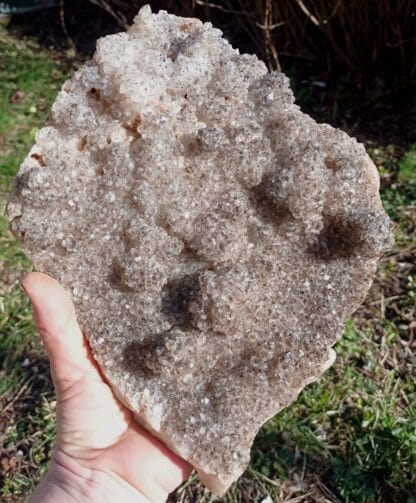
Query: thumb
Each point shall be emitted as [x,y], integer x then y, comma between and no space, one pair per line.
[57,325]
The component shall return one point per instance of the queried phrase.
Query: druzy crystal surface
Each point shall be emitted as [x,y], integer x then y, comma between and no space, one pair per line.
[213,237]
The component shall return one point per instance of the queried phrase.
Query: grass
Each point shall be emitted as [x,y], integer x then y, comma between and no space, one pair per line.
[29,80]
[351,437]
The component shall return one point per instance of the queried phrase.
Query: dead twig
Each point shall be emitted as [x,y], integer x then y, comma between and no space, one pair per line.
[63,24]
[221,8]
[19,393]
[268,26]
[120,18]
[314,19]
[308,13]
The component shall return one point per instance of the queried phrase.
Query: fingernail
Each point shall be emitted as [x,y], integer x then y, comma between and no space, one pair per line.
[22,286]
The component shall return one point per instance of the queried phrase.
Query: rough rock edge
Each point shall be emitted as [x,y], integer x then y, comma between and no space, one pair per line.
[214,482]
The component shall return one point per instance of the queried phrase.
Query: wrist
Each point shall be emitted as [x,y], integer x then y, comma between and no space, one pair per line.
[66,481]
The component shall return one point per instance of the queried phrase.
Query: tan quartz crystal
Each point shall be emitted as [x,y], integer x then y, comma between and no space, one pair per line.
[214,238]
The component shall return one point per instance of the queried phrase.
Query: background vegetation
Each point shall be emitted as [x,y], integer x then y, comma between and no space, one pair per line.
[370,39]
[350,437]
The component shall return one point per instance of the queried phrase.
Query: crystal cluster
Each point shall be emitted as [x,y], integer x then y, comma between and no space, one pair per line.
[214,238]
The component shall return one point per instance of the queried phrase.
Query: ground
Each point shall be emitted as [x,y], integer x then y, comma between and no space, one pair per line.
[351,437]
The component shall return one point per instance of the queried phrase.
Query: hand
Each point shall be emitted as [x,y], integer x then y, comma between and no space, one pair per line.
[101,454]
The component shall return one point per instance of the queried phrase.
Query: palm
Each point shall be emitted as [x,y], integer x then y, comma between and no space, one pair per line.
[94,428]
[90,417]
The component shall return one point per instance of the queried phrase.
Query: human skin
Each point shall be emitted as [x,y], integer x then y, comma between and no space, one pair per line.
[101,454]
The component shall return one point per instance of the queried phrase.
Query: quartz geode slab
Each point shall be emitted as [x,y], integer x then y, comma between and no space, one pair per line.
[214,238]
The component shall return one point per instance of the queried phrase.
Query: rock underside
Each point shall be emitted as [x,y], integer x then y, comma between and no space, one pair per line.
[213,237]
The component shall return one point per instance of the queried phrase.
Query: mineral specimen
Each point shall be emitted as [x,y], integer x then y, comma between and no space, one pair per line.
[214,237]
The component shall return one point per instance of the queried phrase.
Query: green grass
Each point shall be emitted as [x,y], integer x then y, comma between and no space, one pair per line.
[356,427]
[349,437]
[407,167]
[36,76]
[29,80]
